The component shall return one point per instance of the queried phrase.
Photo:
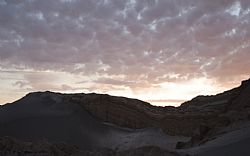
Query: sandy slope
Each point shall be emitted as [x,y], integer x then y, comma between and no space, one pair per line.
[120,140]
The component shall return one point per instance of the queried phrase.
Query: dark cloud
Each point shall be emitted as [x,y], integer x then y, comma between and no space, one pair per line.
[144,41]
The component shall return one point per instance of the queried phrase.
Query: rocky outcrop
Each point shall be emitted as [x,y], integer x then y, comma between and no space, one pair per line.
[220,111]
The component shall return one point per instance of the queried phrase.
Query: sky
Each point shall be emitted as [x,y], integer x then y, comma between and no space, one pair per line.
[161,51]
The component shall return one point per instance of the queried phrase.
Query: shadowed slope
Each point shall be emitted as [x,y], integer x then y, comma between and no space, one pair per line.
[47,115]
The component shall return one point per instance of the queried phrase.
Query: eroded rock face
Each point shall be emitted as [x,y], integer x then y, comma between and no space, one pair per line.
[213,111]
[121,111]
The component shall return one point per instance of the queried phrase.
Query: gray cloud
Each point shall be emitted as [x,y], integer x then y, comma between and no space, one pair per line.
[145,41]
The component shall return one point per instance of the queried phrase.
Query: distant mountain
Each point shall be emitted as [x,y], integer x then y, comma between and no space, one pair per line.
[109,125]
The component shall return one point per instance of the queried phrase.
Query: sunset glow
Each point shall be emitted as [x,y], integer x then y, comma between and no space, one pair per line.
[161,51]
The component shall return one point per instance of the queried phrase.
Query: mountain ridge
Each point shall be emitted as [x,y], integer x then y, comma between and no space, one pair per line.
[100,121]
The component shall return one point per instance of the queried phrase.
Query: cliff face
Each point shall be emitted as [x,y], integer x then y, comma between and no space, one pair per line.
[210,111]
[125,112]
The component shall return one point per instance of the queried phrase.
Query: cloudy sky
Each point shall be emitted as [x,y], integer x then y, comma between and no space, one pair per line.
[162,51]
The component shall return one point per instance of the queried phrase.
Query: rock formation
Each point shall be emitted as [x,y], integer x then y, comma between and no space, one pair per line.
[210,111]
[111,125]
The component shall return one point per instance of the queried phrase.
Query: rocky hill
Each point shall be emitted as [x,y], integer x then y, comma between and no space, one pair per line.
[107,123]
[59,120]
[202,111]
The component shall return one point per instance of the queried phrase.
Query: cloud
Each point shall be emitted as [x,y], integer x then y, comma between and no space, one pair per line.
[43,81]
[112,82]
[146,42]
[20,84]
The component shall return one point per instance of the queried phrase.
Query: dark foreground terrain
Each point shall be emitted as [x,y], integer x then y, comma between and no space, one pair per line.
[47,123]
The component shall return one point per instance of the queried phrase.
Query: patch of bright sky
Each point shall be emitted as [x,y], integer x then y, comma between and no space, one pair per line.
[184,11]
[8,91]
[230,33]
[235,9]
[139,17]
[180,91]
[190,88]
[165,91]
[152,26]
[246,12]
